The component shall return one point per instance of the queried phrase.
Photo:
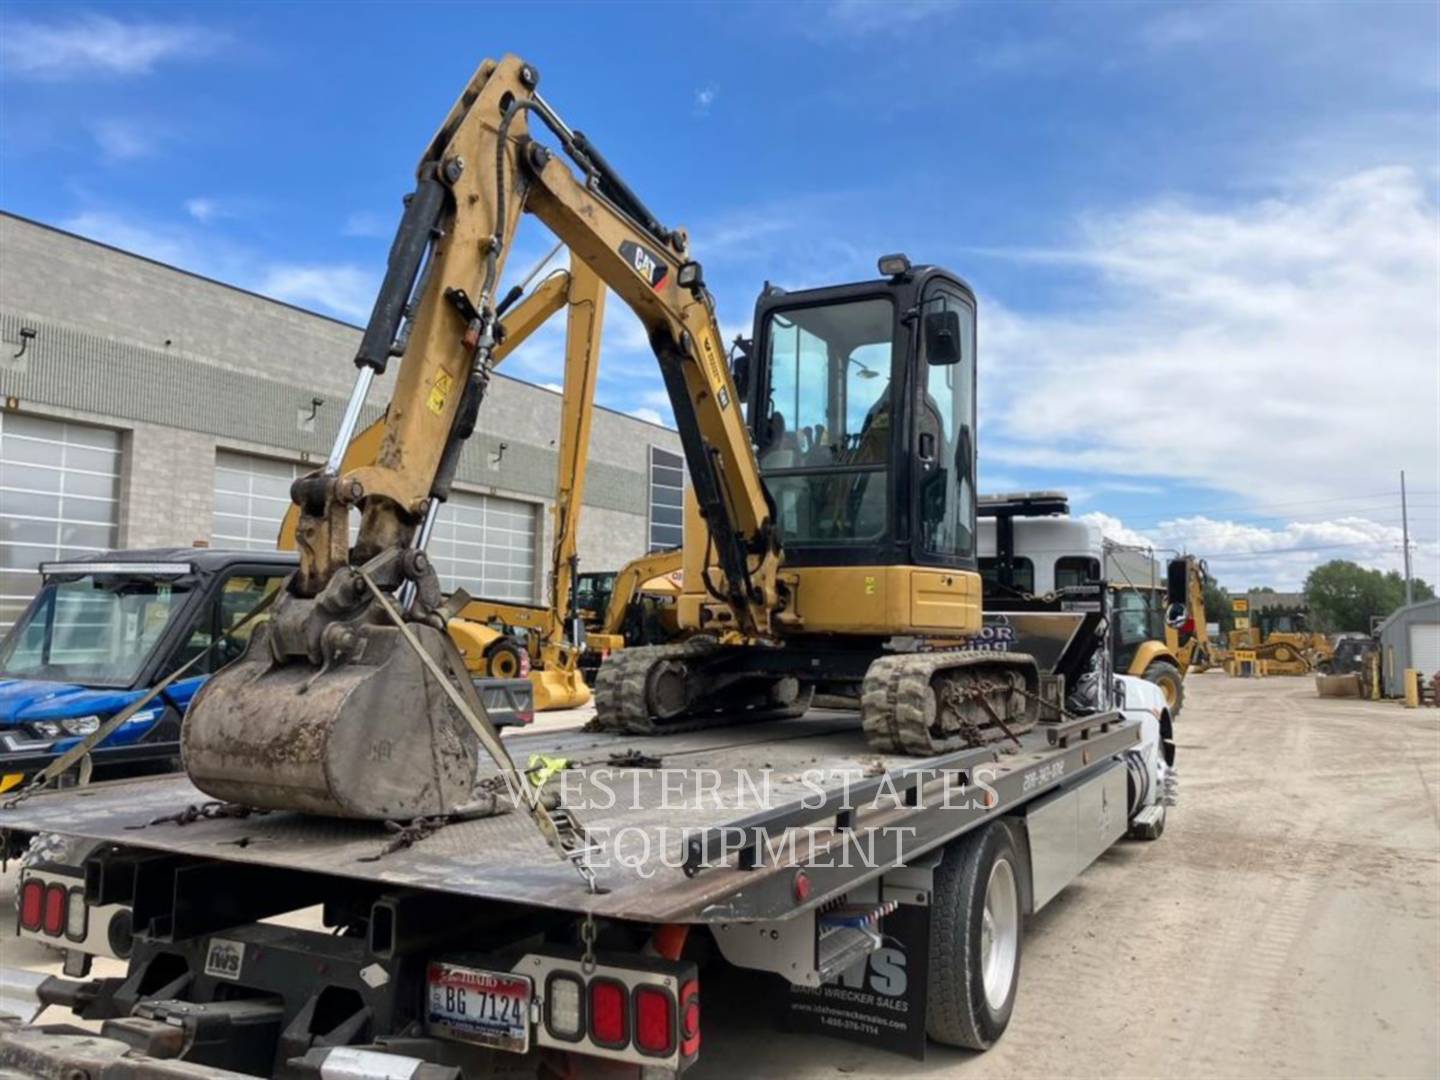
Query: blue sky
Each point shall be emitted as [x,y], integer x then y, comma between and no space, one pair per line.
[1206,237]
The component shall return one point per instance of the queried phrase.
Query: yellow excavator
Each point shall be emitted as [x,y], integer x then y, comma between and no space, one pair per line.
[484,630]
[835,511]
[637,606]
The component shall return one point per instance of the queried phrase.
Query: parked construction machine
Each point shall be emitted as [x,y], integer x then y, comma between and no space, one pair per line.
[635,605]
[835,551]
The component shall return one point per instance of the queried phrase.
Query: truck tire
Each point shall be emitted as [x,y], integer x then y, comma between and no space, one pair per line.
[1167,676]
[975,933]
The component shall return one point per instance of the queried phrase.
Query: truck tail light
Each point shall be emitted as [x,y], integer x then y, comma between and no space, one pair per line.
[654,1021]
[690,1018]
[565,1007]
[53,922]
[77,915]
[32,903]
[609,1024]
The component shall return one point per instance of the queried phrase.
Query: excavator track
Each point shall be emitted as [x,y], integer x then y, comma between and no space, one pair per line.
[937,702]
[624,694]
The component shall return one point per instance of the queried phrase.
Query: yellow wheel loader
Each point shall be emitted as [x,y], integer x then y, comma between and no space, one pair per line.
[833,475]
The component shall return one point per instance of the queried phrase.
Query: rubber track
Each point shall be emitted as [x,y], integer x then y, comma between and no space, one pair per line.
[620,704]
[897,710]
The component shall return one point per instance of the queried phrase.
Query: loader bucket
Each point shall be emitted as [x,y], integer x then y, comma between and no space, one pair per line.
[373,737]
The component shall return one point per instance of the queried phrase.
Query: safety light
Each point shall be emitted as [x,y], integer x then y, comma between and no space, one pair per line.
[53,922]
[654,1021]
[564,1007]
[690,1018]
[77,915]
[894,265]
[800,886]
[32,903]
[80,725]
[609,1024]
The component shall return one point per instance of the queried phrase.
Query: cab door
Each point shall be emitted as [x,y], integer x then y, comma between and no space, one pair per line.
[942,451]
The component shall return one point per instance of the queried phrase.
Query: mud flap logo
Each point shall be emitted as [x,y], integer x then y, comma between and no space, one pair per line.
[225,959]
[645,263]
[880,1000]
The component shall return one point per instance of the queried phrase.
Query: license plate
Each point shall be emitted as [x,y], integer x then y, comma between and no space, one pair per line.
[491,1008]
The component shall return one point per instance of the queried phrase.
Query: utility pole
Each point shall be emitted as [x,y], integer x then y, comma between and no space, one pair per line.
[1405,538]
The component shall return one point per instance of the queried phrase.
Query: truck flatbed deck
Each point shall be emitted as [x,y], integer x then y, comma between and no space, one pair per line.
[785,779]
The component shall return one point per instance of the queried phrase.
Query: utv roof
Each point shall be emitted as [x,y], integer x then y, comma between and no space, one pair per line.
[202,560]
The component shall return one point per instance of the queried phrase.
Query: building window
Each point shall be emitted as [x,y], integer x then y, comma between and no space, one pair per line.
[667,498]
[59,497]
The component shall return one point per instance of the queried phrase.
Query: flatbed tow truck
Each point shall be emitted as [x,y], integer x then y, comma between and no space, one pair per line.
[471,950]
[879,866]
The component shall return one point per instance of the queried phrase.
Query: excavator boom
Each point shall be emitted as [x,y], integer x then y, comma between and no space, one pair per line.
[332,684]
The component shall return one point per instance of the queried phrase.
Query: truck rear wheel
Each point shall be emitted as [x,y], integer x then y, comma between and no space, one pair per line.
[1167,676]
[503,660]
[975,932]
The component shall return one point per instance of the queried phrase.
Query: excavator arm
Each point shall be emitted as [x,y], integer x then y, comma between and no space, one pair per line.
[339,680]
[480,173]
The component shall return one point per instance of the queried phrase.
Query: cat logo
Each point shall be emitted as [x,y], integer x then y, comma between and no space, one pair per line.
[645,263]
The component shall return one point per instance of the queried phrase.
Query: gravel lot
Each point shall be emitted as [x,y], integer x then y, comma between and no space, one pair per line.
[1287,924]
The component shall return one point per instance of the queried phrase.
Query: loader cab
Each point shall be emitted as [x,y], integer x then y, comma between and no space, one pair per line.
[861,404]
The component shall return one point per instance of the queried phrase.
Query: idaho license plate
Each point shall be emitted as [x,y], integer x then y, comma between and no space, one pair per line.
[491,1008]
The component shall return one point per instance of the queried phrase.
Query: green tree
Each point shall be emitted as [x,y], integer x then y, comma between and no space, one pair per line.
[1217,606]
[1344,596]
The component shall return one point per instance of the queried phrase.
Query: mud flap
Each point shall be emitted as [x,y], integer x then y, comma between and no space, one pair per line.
[880,1000]
[372,737]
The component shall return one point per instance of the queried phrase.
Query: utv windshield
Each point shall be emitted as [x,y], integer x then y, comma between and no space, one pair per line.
[824,436]
[91,630]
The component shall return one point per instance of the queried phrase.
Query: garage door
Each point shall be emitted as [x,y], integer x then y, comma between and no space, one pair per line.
[486,545]
[251,497]
[59,496]
[1425,648]
[481,542]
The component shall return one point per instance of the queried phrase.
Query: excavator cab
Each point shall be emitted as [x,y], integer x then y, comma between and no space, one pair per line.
[862,408]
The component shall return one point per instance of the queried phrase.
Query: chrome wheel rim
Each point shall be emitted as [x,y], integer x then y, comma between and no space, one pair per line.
[999,933]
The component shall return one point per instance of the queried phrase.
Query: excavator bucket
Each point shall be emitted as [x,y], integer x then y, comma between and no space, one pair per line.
[371,737]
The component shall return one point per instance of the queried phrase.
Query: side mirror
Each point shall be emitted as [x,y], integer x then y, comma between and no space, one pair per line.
[1177,583]
[740,366]
[942,338]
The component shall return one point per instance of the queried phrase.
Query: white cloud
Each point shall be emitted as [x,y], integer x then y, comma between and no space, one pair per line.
[167,245]
[347,291]
[704,98]
[863,18]
[90,45]
[368,224]
[647,414]
[1284,350]
[1244,555]
[124,140]
[201,209]
[555,386]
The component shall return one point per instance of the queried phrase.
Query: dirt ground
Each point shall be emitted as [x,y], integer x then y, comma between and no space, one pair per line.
[1286,924]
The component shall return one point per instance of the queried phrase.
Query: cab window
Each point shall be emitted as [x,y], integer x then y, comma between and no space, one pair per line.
[1074,570]
[237,597]
[1022,573]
